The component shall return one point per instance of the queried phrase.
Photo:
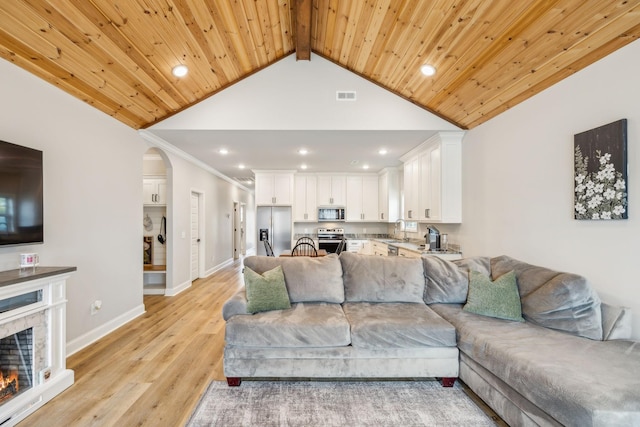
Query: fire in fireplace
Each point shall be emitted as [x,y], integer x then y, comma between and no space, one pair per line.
[9,385]
[16,364]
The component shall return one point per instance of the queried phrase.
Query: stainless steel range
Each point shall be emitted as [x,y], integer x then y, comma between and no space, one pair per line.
[329,239]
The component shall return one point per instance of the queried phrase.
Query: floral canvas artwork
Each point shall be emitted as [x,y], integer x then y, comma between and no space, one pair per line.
[601,172]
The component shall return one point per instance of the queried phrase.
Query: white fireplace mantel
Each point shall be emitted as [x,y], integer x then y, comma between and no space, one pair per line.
[50,373]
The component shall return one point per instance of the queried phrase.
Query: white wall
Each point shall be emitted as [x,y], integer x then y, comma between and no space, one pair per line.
[518,181]
[296,95]
[92,196]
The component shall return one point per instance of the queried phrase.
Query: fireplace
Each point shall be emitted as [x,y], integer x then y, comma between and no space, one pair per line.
[32,340]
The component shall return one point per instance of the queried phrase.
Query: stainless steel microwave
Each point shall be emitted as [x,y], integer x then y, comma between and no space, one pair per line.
[331,214]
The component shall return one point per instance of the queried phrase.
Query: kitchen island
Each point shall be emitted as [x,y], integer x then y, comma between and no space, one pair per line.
[411,248]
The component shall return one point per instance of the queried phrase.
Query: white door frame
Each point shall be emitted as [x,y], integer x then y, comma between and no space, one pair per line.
[239,230]
[201,233]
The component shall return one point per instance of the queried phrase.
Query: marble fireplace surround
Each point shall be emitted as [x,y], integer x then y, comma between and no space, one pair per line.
[48,320]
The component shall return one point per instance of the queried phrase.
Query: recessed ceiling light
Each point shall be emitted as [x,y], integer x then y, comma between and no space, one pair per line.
[303,166]
[365,166]
[382,151]
[241,166]
[223,151]
[180,70]
[303,151]
[428,70]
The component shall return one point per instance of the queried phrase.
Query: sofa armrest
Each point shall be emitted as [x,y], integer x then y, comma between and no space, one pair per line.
[616,322]
[237,304]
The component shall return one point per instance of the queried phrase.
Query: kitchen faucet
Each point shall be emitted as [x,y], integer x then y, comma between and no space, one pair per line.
[395,229]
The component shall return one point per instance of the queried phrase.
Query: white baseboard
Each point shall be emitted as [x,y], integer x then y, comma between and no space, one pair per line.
[218,267]
[170,292]
[90,337]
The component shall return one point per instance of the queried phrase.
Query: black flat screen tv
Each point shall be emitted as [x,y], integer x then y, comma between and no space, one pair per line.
[21,195]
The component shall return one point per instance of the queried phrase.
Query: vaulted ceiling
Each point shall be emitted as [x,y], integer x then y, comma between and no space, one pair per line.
[490,55]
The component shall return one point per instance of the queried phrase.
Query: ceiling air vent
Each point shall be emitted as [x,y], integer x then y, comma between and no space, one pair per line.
[345,95]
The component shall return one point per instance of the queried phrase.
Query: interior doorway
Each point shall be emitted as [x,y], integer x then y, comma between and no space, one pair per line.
[239,230]
[156,221]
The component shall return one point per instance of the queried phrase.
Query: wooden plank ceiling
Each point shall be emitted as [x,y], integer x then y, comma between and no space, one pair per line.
[490,55]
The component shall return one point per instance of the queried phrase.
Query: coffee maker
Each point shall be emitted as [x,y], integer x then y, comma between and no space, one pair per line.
[432,238]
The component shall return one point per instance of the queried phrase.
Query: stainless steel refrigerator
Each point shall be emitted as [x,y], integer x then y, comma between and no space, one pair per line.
[274,224]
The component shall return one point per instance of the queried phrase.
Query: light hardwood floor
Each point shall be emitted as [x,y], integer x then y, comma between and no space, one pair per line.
[152,371]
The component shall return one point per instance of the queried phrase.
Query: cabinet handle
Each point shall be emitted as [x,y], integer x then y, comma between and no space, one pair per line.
[273,200]
[426,213]
[331,200]
[306,216]
[410,214]
[382,215]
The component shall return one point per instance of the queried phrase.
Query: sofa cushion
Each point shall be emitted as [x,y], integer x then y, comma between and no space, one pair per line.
[555,300]
[265,291]
[616,322]
[448,281]
[303,325]
[397,325]
[499,299]
[308,279]
[578,381]
[382,279]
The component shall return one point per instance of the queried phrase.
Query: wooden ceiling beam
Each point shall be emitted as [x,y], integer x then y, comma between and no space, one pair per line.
[303,30]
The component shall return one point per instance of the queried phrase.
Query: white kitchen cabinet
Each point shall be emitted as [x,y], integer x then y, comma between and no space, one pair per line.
[154,191]
[411,188]
[362,198]
[274,188]
[379,248]
[305,206]
[407,253]
[433,179]
[389,195]
[430,184]
[356,246]
[332,190]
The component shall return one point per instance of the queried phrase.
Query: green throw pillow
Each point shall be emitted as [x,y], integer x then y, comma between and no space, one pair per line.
[499,298]
[267,291]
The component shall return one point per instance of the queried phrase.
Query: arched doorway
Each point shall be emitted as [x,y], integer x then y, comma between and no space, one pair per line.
[157,209]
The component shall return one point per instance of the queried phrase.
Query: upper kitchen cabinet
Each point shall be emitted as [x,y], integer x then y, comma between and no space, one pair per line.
[411,190]
[274,188]
[332,190]
[154,191]
[362,198]
[389,195]
[433,179]
[305,206]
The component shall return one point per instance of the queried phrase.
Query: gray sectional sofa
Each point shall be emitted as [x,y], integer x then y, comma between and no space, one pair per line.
[353,316]
[569,363]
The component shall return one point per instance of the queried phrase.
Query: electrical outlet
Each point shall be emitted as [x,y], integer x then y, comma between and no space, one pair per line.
[96,306]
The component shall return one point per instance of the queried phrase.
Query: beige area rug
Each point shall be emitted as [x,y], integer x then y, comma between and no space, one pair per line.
[337,403]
